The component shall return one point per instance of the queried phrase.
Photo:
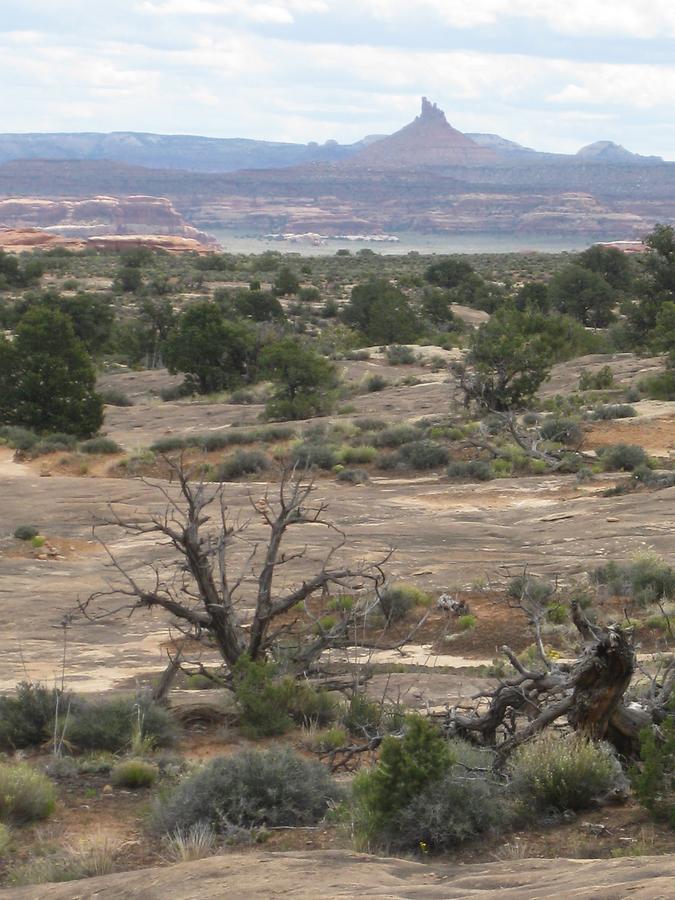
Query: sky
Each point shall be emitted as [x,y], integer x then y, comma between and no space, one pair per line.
[551,74]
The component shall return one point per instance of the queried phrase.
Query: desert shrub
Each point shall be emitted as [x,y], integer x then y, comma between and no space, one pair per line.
[370,424]
[92,856]
[400,355]
[622,457]
[466,623]
[268,705]
[558,774]
[353,476]
[176,392]
[19,438]
[423,455]
[310,454]
[359,455]
[614,411]
[26,718]
[243,397]
[386,462]
[26,532]
[375,383]
[396,600]
[261,699]
[362,715]
[404,770]
[330,739]
[100,445]
[243,462]
[134,773]
[557,614]
[563,431]
[646,579]
[531,418]
[529,587]
[111,724]
[115,397]
[473,470]
[26,795]
[599,380]
[169,444]
[276,787]
[654,780]
[5,840]
[451,810]
[188,844]
[96,763]
[53,443]
[659,387]
[396,436]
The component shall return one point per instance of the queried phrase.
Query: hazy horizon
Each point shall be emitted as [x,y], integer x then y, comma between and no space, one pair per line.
[547,75]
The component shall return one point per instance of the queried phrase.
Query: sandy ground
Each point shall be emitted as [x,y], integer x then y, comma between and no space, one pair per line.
[319,875]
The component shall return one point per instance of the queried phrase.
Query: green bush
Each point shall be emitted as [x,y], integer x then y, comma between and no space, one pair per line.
[26,795]
[473,470]
[115,397]
[26,532]
[599,380]
[370,424]
[375,383]
[176,392]
[358,455]
[614,411]
[562,431]
[529,587]
[54,443]
[405,769]
[243,462]
[6,840]
[466,623]
[111,724]
[321,456]
[251,789]
[134,773]
[100,445]
[423,455]
[19,438]
[363,716]
[26,718]
[622,457]
[557,614]
[571,773]
[646,579]
[654,780]
[659,387]
[399,355]
[353,476]
[396,600]
[396,436]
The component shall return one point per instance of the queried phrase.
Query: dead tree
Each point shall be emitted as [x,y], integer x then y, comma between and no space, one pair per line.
[588,696]
[238,609]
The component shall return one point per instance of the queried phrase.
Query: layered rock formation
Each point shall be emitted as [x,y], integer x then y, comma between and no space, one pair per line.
[100,216]
[21,240]
[425,178]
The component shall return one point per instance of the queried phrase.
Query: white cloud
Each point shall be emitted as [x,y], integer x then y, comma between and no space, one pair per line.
[277,12]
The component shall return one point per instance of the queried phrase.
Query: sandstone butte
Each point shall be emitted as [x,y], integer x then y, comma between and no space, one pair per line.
[429,140]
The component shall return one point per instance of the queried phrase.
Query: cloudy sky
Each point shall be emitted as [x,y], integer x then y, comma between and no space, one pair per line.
[551,74]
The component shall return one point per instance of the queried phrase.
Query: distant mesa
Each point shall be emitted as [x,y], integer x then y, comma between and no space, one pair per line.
[608,151]
[428,141]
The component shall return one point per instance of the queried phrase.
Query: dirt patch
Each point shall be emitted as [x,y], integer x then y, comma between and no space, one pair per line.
[656,434]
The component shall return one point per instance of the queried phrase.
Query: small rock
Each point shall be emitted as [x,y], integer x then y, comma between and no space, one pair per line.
[107,789]
[612,519]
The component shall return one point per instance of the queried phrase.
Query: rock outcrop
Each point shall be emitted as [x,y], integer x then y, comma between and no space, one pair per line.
[21,240]
[328,874]
[86,217]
